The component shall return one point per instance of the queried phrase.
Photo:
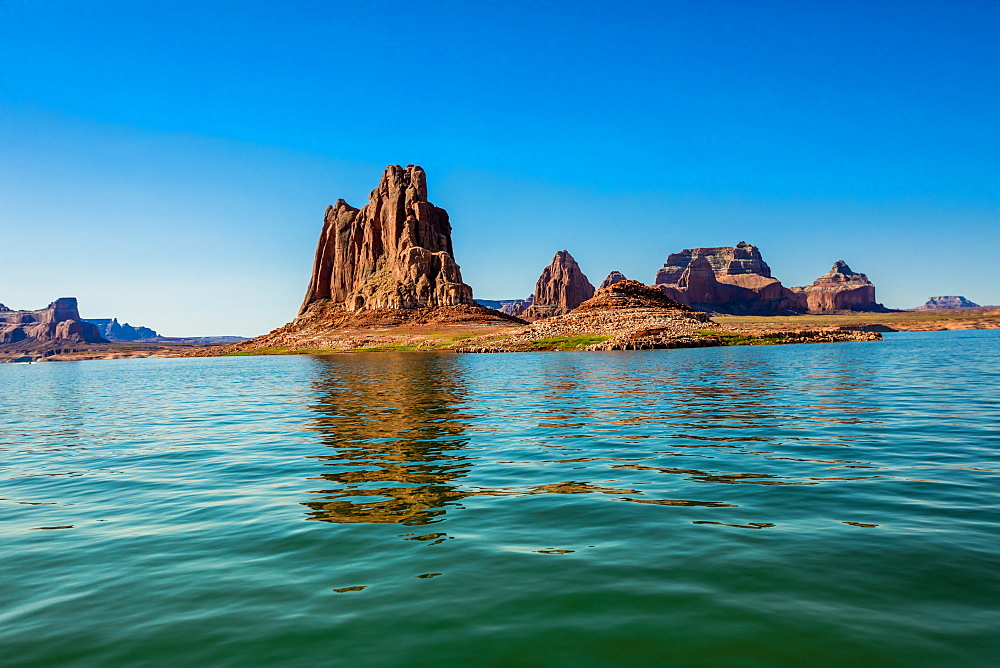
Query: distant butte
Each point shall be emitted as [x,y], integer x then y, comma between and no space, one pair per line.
[59,324]
[736,280]
[840,289]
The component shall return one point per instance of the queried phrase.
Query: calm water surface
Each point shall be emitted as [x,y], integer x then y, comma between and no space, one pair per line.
[832,504]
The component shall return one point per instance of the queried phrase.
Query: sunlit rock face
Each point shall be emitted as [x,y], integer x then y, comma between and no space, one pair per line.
[840,289]
[726,279]
[59,321]
[393,253]
[560,289]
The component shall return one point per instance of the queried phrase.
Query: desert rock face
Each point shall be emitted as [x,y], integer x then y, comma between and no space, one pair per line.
[947,301]
[560,289]
[726,279]
[393,253]
[613,277]
[840,289]
[59,321]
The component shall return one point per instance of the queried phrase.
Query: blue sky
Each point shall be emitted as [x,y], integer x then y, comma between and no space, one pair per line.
[168,163]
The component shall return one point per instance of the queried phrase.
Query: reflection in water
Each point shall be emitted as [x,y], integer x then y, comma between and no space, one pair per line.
[397,436]
[400,429]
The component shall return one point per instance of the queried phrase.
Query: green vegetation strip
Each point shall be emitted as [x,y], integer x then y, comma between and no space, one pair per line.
[567,342]
[743,339]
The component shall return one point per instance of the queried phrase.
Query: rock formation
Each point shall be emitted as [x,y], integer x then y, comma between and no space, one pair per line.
[726,279]
[59,322]
[628,315]
[560,289]
[613,277]
[383,275]
[393,253]
[947,301]
[840,289]
[112,330]
[516,308]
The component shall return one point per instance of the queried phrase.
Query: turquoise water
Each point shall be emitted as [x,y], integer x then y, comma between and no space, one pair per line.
[831,504]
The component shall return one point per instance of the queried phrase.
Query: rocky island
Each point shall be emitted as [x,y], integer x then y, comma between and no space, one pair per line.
[384,277]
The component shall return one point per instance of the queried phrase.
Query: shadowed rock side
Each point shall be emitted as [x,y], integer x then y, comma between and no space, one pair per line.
[948,302]
[613,277]
[393,253]
[631,316]
[840,289]
[560,289]
[58,323]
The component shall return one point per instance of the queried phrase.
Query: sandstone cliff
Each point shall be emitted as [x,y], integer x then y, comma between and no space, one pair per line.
[560,289]
[393,253]
[613,277]
[840,289]
[726,279]
[59,322]
[947,301]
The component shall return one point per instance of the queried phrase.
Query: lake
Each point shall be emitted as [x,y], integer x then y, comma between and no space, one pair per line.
[831,504]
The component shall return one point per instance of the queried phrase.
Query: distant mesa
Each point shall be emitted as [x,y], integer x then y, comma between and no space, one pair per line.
[560,289]
[112,330]
[736,280]
[947,302]
[726,279]
[613,277]
[58,323]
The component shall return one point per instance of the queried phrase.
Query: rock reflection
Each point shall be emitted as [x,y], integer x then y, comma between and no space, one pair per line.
[397,435]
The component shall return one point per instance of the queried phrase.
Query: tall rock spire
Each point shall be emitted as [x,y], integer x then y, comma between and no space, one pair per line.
[560,289]
[393,253]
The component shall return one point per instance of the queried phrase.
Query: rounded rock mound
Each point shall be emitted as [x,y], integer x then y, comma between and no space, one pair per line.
[628,294]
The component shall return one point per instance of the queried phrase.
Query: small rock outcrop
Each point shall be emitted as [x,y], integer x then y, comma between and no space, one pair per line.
[58,322]
[112,330]
[726,279]
[840,289]
[560,289]
[613,277]
[393,253]
[948,302]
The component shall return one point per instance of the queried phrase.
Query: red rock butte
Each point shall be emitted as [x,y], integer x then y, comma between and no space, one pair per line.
[393,253]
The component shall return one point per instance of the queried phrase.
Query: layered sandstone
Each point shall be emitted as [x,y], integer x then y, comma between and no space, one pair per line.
[840,289]
[726,279]
[560,289]
[948,302]
[393,253]
[613,277]
[59,322]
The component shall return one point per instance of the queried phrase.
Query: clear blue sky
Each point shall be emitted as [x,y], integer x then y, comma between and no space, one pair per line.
[168,163]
